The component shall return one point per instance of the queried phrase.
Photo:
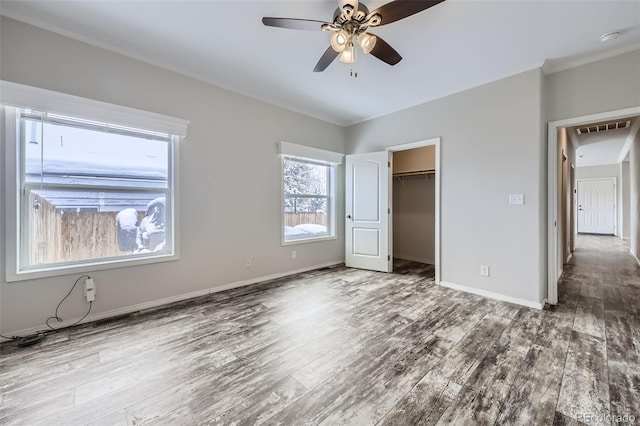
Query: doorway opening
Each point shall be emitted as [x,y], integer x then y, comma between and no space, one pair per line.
[415,200]
[581,199]
[368,208]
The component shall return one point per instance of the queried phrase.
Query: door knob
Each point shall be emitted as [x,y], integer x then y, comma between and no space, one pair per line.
[348,216]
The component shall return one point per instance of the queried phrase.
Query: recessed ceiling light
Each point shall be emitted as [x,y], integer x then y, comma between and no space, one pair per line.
[610,36]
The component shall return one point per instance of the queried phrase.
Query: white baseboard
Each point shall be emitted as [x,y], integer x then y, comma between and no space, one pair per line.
[414,259]
[491,295]
[634,256]
[164,301]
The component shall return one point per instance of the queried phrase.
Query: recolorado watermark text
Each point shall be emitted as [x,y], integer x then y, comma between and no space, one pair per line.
[605,418]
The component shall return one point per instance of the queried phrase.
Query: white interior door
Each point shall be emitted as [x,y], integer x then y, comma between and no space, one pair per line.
[597,206]
[367,230]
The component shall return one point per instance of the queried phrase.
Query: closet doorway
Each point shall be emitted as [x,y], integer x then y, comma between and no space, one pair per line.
[415,205]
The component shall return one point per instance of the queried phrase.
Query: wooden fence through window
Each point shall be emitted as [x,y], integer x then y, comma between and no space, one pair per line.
[293,219]
[63,236]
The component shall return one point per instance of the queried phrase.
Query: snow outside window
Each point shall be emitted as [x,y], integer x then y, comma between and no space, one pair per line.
[308,199]
[91,192]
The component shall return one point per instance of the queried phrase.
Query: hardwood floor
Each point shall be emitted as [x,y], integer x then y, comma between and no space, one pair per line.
[346,346]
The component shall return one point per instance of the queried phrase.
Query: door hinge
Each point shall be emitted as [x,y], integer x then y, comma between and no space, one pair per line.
[388,211]
[388,257]
[388,163]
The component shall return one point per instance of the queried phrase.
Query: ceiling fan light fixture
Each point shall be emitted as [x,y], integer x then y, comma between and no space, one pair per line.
[339,40]
[348,55]
[367,42]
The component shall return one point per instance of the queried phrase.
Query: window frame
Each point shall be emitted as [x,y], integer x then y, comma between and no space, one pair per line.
[14,97]
[315,156]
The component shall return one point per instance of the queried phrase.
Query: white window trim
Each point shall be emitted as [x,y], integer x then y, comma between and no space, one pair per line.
[21,96]
[17,96]
[334,159]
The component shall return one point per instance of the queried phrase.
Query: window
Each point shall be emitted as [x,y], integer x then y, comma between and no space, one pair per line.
[91,191]
[308,187]
[91,186]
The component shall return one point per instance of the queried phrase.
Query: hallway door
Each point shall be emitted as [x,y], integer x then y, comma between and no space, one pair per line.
[597,206]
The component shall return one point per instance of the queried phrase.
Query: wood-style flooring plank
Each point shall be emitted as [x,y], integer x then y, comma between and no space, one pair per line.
[532,397]
[590,317]
[585,380]
[425,403]
[472,407]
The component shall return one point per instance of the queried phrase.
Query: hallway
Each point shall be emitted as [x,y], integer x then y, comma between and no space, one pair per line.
[600,287]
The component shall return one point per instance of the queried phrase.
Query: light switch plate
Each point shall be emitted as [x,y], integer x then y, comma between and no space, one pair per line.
[516,199]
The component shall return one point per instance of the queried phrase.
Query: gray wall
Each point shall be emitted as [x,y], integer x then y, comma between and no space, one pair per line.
[414,225]
[491,146]
[595,172]
[606,85]
[229,177]
[625,210]
[634,175]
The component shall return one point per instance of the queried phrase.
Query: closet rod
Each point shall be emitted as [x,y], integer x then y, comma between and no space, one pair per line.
[416,173]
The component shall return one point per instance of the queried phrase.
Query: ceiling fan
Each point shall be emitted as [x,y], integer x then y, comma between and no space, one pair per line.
[351,22]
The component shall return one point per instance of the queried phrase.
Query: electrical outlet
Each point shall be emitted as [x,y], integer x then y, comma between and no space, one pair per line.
[484,270]
[247,262]
[90,289]
[293,254]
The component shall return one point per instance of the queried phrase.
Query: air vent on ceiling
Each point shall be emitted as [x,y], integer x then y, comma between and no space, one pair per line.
[603,127]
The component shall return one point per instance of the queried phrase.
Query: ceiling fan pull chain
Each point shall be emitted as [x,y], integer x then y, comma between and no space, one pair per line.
[355,62]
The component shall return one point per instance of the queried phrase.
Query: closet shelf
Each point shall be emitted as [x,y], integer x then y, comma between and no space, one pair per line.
[415,173]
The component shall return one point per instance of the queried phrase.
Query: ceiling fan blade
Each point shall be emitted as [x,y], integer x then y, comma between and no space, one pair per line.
[383,51]
[326,59]
[294,24]
[400,9]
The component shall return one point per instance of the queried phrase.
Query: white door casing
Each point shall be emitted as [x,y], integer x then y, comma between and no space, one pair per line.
[367,201]
[597,206]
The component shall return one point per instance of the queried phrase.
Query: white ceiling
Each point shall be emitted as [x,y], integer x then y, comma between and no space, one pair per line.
[451,47]
[602,147]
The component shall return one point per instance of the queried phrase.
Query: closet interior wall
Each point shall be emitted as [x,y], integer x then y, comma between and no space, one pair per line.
[414,204]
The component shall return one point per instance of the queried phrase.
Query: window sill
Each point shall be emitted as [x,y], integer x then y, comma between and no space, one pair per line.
[308,240]
[84,268]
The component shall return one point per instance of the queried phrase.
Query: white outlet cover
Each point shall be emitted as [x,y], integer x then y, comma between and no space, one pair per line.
[516,199]
[484,271]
